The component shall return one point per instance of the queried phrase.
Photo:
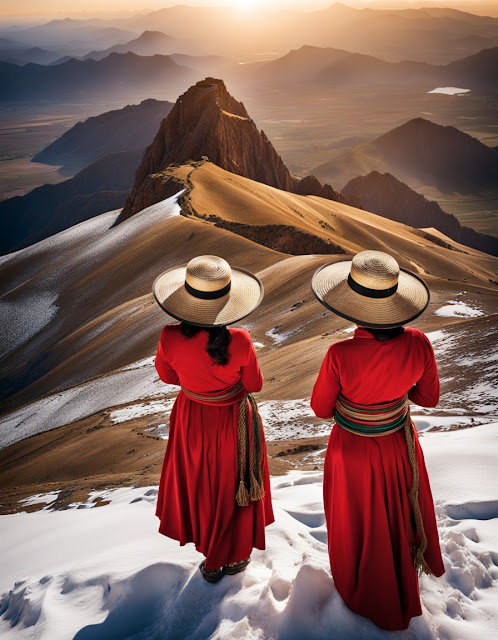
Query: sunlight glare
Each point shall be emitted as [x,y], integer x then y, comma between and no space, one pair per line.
[245,5]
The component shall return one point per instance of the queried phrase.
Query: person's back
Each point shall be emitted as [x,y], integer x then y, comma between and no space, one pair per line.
[370,371]
[188,357]
[380,517]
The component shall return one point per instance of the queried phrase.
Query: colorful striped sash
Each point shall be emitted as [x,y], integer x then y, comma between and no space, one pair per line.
[381,420]
[371,420]
[250,453]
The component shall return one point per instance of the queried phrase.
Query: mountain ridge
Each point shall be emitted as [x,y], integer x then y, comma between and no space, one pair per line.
[208,123]
[437,155]
[126,129]
[387,196]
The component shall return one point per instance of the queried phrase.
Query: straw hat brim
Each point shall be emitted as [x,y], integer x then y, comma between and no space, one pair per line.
[245,295]
[330,286]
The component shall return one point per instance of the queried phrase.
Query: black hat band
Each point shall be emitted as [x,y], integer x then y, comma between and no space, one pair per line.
[371,293]
[207,295]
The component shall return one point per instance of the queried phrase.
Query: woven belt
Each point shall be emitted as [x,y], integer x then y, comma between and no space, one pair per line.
[250,454]
[381,420]
[371,420]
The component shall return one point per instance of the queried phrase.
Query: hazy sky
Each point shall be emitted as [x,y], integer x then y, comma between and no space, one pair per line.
[48,9]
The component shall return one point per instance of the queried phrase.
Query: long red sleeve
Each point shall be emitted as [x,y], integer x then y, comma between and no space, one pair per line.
[164,370]
[326,389]
[425,392]
[250,373]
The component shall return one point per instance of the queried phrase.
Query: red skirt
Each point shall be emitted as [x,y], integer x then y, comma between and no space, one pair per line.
[369,524]
[196,499]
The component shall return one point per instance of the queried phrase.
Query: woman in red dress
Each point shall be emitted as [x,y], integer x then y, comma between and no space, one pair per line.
[209,493]
[380,517]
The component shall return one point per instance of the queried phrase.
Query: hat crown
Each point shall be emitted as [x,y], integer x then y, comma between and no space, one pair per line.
[208,273]
[375,270]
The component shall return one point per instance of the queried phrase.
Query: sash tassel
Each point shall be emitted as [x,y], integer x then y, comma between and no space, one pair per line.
[250,453]
[381,420]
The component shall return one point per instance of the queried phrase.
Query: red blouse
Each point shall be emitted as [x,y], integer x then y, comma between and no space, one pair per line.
[369,371]
[185,361]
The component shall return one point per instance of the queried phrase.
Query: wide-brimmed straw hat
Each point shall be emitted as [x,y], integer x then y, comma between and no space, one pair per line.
[371,290]
[208,292]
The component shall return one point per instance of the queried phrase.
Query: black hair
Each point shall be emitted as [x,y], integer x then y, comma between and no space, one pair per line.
[385,334]
[218,342]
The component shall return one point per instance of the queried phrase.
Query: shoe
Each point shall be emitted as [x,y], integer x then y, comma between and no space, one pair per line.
[211,575]
[236,567]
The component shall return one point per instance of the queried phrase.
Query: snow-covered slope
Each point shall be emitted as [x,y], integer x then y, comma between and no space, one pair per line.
[106,573]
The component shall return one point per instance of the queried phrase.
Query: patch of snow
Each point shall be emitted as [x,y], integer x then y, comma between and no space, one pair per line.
[24,317]
[458,310]
[108,573]
[291,419]
[133,382]
[350,329]
[450,91]
[258,345]
[278,337]
[161,431]
[138,410]
[41,498]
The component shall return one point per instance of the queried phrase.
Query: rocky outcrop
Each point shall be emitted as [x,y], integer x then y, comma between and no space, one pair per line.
[311,186]
[282,237]
[208,123]
[385,195]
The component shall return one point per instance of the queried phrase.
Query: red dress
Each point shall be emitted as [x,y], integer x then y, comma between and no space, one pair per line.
[367,479]
[196,499]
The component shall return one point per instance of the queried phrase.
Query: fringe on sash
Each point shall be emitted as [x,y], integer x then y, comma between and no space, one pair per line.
[250,452]
[250,456]
[418,551]
[384,420]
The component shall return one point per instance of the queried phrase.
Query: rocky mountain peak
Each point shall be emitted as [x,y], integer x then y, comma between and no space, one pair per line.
[207,122]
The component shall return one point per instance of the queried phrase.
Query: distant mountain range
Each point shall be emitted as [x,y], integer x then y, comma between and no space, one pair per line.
[336,68]
[313,67]
[22,56]
[116,74]
[434,35]
[420,152]
[148,44]
[103,186]
[71,35]
[431,35]
[127,129]
[387,196]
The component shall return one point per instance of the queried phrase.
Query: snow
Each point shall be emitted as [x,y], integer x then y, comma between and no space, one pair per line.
[134,382]
[450,91]
[477,391]
[290,419]
[90,242]
[106,572]
[141,409]
[458,309]
[41,498]
[24,317]
[278,337]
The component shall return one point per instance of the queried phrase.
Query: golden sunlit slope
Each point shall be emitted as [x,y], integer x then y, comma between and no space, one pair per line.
[81,310]
[87,291]
[211,191]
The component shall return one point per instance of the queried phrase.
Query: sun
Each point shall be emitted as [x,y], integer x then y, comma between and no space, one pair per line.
[245,5]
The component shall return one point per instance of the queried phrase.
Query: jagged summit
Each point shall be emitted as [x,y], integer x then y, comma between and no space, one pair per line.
[207,121]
